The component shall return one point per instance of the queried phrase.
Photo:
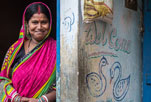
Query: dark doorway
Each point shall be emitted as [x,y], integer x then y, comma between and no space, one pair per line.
[11,21]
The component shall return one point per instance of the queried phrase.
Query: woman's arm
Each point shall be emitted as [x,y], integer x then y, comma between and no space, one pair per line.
[50,96]
[7,91]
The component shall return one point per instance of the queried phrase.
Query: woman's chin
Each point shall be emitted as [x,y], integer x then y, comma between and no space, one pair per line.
[38,39]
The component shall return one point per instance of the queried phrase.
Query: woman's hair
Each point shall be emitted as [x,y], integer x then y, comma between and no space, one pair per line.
[34,8]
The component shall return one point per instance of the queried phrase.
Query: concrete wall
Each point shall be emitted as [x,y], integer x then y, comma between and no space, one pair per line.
[69,50]
[100,62]
[110,58]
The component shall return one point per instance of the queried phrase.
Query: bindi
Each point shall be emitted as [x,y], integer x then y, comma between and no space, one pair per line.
[38,9]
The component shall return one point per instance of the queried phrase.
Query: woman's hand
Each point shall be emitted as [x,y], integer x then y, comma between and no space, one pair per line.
[25,99]
[33,100]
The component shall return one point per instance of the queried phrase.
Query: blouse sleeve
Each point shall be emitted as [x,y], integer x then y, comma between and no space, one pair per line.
[6,91]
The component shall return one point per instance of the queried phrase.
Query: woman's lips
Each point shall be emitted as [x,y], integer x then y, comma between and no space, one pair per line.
[39,32]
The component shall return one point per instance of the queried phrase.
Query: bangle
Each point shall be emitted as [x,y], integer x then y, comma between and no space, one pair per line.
[43,98]
[46,99]
[16,98]
[40,100]
[19,99]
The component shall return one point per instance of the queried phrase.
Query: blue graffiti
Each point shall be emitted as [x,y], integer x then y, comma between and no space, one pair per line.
[121,86]
[96,83]
[68,22]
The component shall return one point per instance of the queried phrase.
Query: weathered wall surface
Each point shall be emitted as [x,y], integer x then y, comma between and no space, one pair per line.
[110,58]
[100,62]
[69,50]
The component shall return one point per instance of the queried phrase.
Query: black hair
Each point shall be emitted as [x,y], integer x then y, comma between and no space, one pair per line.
[32,9]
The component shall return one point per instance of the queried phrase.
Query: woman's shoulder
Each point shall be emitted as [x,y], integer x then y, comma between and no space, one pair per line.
[50,39]
[51,43]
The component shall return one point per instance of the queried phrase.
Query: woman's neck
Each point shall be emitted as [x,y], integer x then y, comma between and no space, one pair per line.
[33,42]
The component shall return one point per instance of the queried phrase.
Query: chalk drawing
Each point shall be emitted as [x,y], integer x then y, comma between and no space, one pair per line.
[101,53]
[121,86]
[96,83]
[111,100]
[68,22]
[93,36]
[96,36]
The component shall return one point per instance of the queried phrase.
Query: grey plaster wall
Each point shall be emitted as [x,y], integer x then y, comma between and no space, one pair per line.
[69,22]
[100,62]
[110,57]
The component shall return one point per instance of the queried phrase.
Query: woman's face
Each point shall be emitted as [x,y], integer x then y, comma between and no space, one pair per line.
[38,26]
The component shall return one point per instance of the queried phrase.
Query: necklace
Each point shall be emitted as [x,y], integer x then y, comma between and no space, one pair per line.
[28,46]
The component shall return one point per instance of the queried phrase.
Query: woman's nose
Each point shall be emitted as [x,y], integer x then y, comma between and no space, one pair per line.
[39,26]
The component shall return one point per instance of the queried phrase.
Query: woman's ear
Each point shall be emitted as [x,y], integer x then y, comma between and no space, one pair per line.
[26,25]
[27,30]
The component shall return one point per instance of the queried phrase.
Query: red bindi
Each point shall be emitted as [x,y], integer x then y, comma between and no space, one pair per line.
[38,9]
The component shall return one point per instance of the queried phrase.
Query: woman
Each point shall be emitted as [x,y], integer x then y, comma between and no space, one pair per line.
[29,69]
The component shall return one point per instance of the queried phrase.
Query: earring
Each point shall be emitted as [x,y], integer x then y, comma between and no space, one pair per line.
[27,31]
[28,34]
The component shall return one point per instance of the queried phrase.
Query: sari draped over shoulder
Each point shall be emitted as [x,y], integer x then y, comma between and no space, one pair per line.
[34,73]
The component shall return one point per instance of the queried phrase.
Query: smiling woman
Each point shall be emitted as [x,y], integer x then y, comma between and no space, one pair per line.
[11,22]
[38,26]
[37,20]
[29,69]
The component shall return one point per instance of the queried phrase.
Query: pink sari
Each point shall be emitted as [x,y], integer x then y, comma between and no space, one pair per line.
[33,76]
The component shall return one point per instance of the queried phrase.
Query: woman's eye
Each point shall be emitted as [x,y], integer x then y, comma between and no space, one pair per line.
[35,22]
[44,22]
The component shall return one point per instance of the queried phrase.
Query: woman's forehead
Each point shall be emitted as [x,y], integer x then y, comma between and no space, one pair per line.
[39,15]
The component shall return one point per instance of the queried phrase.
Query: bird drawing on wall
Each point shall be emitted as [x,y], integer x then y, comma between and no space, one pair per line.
[121,86]
[96,82]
